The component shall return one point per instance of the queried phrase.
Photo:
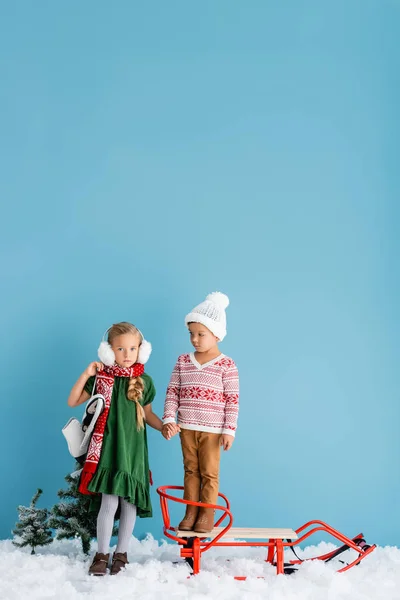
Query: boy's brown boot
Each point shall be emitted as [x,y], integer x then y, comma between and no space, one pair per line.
[119,561]
[99,564]
[205,521]
[189,519]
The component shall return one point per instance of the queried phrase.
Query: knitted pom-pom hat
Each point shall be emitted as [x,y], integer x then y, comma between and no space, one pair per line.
[211,313]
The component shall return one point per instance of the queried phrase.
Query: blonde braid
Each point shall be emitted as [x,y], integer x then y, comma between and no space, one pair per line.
[135,393]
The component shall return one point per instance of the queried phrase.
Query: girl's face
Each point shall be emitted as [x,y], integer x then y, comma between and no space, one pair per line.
[202,339]
[126,349]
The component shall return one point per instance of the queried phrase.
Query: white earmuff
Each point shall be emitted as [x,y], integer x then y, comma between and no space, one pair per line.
[144,351]
[107,356]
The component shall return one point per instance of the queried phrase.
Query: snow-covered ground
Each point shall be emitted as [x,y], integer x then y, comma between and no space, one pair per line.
[59,571]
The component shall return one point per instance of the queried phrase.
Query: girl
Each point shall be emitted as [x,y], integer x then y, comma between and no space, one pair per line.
[204,391]
[117,465]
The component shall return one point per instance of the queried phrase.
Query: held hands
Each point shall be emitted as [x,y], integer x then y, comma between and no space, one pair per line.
[226,441]
[169,430]
[93,368]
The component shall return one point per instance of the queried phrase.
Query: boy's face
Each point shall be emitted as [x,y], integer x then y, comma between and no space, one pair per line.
[126,349]
[202,339]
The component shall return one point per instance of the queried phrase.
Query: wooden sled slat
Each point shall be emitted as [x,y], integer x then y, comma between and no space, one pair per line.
[250,533]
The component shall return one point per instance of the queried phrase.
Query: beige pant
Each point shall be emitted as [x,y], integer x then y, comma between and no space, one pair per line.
[201,456]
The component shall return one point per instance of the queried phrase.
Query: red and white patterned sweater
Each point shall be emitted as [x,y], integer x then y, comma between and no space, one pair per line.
[206,397]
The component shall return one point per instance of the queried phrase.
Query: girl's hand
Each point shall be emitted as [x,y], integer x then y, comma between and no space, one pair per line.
[226,441]
[93,368]
[169,430]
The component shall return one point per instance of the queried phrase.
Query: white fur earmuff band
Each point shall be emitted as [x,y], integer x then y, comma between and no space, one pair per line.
[107,356]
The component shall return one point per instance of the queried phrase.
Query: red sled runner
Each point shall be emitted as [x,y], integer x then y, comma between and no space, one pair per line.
[193,544]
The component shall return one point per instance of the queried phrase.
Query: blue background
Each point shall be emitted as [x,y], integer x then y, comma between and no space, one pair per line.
[154,152]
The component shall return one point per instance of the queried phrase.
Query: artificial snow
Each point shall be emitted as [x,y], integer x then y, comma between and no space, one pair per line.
[59,571]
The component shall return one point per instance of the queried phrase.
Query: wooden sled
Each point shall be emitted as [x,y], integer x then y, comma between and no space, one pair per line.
[193,544]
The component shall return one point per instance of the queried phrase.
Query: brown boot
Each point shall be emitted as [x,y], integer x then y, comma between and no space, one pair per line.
[205,521]
[99,564]
[189,519]
[119,561]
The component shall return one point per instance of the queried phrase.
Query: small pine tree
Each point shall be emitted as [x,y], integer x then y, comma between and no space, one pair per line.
[71,517]
[32,528]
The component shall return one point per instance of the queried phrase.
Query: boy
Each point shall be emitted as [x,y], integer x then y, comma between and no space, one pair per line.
[204,391]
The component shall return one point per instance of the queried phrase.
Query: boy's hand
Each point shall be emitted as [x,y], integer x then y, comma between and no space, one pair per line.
[93,368]
[169,430]
[226,441]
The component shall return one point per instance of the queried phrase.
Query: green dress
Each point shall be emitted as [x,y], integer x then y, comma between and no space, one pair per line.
[123,469]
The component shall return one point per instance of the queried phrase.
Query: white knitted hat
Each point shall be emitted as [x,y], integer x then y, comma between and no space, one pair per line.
[211,313]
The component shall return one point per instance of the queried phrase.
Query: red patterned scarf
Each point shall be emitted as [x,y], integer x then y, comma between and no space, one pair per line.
[104,386]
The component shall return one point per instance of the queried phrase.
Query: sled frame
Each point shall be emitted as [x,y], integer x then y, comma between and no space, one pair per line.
[193,544]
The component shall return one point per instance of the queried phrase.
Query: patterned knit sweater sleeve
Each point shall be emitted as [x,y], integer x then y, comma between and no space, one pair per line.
[230,379]
[172,397]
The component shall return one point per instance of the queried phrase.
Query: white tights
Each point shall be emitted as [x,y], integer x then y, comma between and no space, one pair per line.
[105,523]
